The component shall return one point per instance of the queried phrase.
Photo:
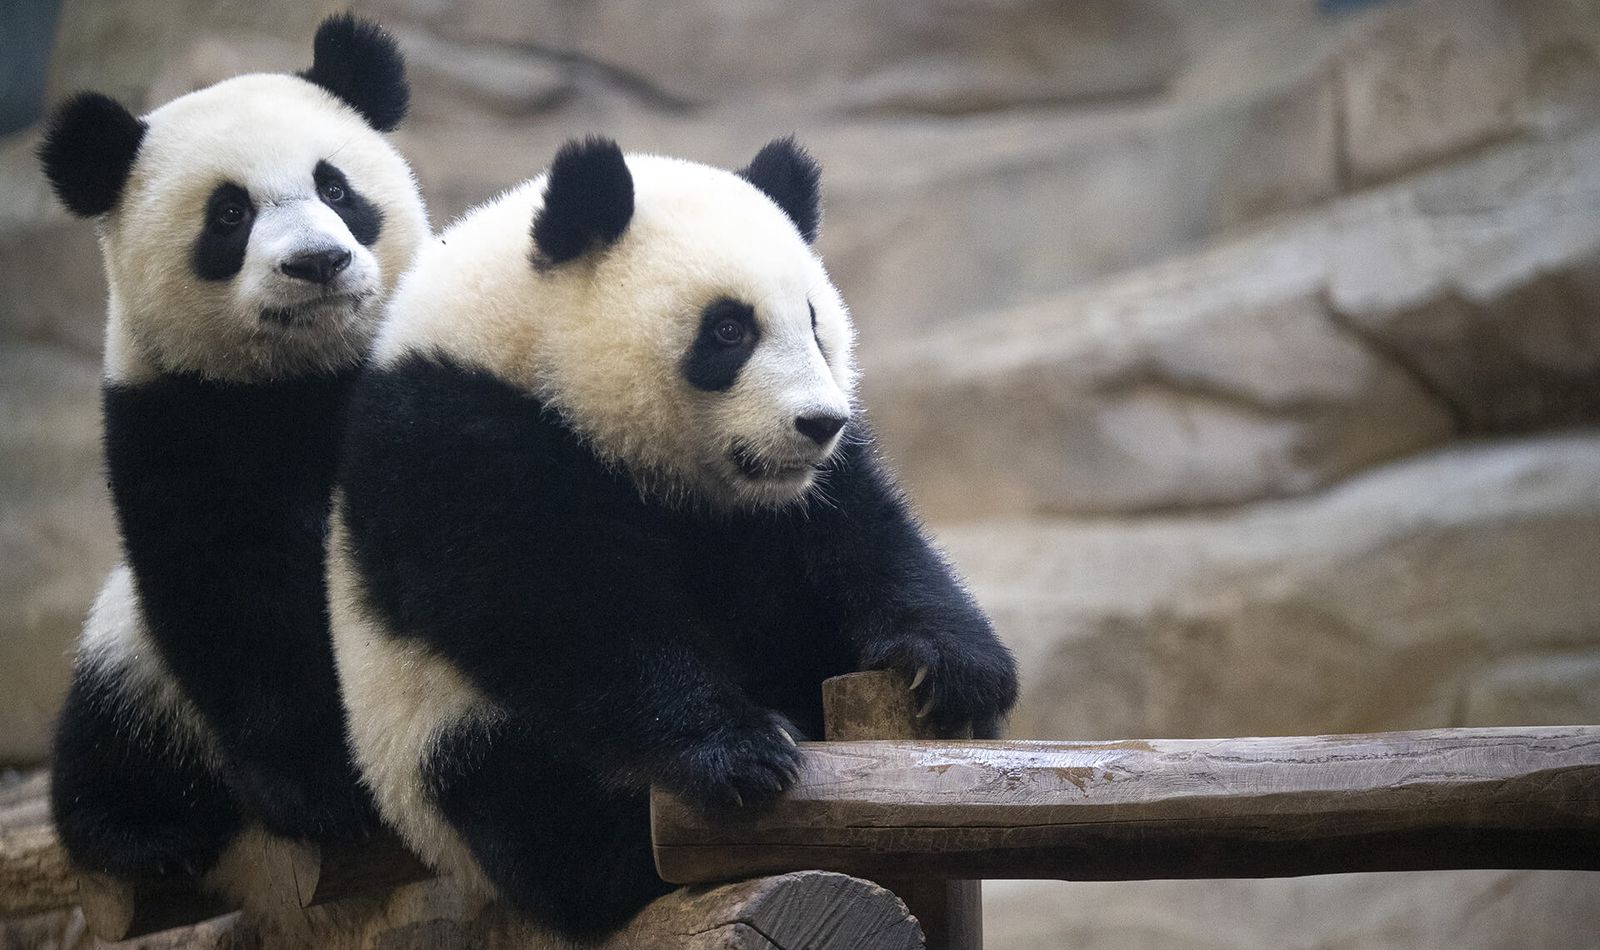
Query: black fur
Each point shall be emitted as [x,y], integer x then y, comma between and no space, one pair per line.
[788,175]
[588,200]
[360,63]
[88,152]
[713,362]
[221,493]
[632,642]
[127,800]
[362,217]
[220,247]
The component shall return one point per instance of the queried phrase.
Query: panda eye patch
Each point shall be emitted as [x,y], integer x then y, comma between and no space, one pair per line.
[728,335]
[228,207]
[361,216]
[219,248]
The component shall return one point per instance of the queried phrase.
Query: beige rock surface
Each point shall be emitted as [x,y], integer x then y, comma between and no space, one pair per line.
[1379,324]
[1408,597]
[54,531]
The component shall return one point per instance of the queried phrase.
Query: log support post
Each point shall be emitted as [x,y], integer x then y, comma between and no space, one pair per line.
[878,705]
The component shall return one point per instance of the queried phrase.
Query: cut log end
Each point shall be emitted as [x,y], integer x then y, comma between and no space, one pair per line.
[815,910]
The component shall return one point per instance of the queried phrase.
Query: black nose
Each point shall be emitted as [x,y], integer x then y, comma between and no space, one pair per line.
[319,267]
[819,428]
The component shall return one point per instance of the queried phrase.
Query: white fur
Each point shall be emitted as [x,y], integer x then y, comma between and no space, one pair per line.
[601,338]
[117,648]
[264,133]
[399,698]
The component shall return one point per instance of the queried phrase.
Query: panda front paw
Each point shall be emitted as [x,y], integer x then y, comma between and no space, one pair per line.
[325,803]
[960,683]
[745,765]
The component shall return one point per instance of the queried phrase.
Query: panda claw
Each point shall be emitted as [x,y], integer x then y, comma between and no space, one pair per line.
[922,674]
[927,707]
[738,800]
[787,738]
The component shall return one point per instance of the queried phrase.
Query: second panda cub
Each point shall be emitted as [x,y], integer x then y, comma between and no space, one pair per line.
[610,516]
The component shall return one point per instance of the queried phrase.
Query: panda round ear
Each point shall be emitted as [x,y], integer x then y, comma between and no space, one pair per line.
[88,151]
[360,62]
[588,200]
[786,173]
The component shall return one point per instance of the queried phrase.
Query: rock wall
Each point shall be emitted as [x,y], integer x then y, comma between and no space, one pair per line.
[1245,355]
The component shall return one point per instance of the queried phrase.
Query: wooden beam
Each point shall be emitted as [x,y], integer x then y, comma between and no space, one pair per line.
[1137,810]
[880,705]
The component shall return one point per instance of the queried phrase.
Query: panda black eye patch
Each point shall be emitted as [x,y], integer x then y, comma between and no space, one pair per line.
[728,335]
[224,234]
[361,216]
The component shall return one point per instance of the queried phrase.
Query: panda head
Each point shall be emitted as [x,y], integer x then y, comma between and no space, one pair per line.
[675,315]
[254,228]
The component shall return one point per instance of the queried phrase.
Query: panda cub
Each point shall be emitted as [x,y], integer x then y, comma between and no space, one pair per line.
[252,232]
[608,517]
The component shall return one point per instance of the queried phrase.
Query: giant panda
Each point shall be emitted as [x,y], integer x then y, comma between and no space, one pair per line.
[251,233]
[608,515]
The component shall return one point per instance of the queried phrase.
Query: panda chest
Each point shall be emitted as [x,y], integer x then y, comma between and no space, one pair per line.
[748,582]
[243,459]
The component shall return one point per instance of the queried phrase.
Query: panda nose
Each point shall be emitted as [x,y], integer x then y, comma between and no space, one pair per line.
[319,267]
[819,428]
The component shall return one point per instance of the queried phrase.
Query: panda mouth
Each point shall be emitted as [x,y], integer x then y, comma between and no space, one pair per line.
[302,314]
[758,469]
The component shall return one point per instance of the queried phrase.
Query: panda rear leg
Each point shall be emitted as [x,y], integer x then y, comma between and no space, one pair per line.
[128,798]
[555,843]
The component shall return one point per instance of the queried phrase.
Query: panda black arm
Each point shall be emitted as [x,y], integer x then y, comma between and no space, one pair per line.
[221,495]
[904,606]
[480,525]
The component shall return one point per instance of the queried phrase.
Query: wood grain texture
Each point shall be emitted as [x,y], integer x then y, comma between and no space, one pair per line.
[810,910]
[34,874]
[875,704]
[1133,810]
[878,704]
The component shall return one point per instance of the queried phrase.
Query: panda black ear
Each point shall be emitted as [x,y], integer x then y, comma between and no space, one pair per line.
[786,173]
[88,152]
[360,63]
[588,200]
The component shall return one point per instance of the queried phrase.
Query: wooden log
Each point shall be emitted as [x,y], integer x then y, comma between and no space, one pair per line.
[1137,810]
[354,903]
[880,705]
[813,910]
[34,873]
